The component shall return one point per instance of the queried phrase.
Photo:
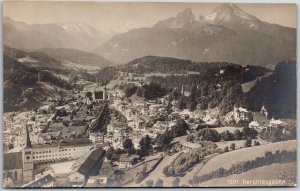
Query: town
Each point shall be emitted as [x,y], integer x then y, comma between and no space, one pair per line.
[149,95]
[98,137]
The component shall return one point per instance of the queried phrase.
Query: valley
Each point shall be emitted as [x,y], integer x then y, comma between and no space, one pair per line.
[188,100]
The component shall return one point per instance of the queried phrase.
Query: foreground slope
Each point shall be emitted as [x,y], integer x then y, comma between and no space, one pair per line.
[245,154]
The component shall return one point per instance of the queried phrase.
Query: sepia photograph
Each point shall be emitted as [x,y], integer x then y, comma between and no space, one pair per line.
[149,94]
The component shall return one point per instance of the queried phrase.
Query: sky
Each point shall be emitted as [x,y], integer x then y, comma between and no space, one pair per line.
[120,17]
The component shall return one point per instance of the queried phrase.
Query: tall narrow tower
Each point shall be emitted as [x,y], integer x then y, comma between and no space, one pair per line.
[27,159]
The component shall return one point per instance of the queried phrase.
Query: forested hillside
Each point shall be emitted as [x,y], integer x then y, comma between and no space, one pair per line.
[217,84]
[20,77]
[276,92]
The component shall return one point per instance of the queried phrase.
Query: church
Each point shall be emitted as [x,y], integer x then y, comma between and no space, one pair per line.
[19,166]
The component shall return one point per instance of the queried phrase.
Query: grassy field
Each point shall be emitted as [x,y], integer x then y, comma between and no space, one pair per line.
[158,173]
[240,143]
[286,171]
[237,156]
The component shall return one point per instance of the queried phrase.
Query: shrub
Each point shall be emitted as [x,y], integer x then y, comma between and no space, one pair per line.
[248,143]
[256,143]
[159,183]
[225,149]
[176,182]
[149,183]
[232,146]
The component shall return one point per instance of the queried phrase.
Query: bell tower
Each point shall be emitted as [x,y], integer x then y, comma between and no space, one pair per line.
[27,159]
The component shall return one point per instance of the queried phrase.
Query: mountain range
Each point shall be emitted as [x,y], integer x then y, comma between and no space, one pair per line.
[227,34]
[32,37]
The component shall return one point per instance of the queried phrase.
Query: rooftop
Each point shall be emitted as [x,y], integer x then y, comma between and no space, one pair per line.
[66,142]
[87,162]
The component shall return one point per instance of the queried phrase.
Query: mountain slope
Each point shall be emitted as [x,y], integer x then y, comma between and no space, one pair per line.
[277,92]
[228,34]
[77,56]
[26,87]
[37,59]
[37,36]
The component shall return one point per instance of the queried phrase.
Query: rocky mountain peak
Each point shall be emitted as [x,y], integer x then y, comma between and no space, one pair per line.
[182,19]
[229,11]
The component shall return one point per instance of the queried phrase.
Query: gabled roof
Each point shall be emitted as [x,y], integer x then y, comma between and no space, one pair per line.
[126,158]
[12,161]
[86,163]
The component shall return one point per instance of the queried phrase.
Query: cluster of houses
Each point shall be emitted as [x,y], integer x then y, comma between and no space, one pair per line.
[61,133]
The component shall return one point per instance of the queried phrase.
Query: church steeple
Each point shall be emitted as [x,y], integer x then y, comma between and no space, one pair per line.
[27,139]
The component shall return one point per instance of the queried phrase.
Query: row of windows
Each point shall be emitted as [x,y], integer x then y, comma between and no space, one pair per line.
[60,150]
[56,155]
[44,160]
[43,156]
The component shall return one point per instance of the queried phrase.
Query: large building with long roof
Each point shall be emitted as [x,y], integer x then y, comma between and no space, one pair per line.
[19,166]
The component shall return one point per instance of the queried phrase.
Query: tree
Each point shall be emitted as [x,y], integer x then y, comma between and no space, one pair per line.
[176,182]
[225,149]
[248,143]
[145,145]
[256,143]
[127,144]
[159,183]
[207,134]
[249,133]
[109,153]
[237,134]
[32,118]
[180,128]
[149,183]
[232,146]
[227,136]
[169,107]
[182,103]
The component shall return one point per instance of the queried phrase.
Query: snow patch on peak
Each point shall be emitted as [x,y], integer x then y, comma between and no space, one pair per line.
[227,11]
[211,17]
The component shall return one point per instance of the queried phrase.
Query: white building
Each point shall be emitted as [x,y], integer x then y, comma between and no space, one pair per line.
[96,137]
[126,161]
[241,114]
[276,123]
[254,125]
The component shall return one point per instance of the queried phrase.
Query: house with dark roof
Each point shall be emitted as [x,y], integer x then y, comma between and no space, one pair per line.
[87,165]
[13,167]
